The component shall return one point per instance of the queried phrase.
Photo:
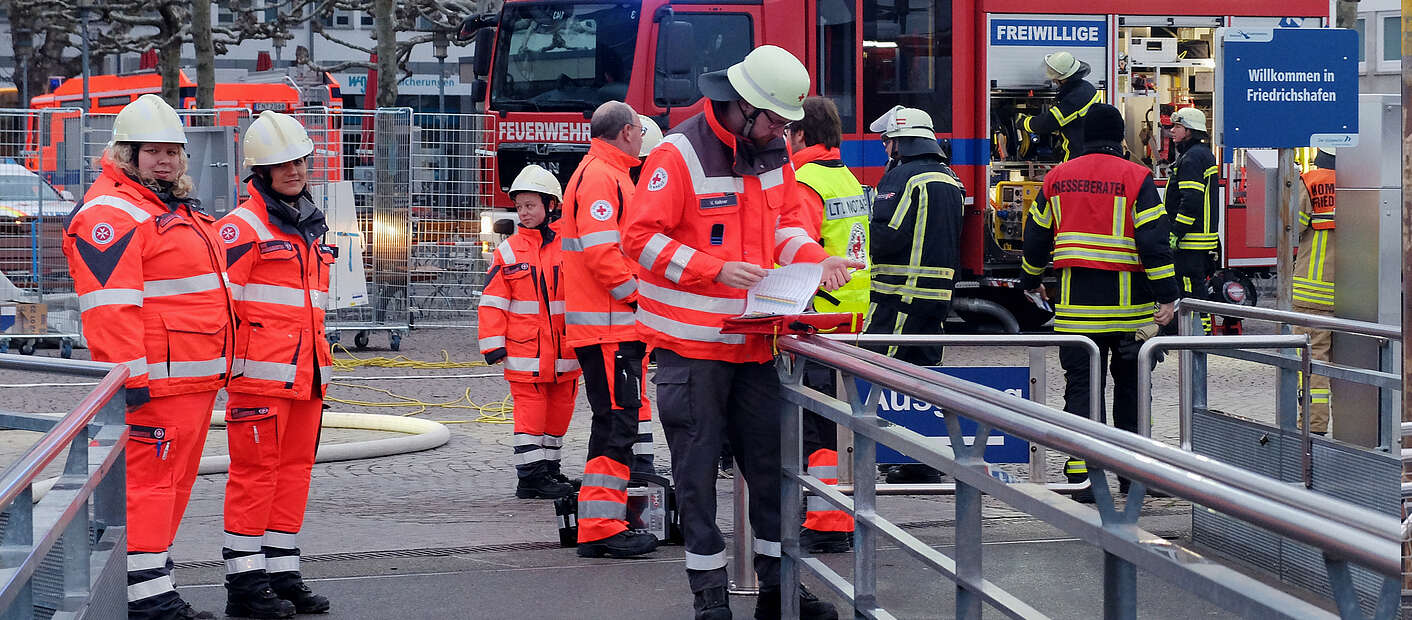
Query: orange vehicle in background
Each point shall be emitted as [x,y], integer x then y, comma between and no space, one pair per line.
[256,92]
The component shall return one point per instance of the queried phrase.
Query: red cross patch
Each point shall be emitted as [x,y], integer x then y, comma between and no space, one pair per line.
[601,210]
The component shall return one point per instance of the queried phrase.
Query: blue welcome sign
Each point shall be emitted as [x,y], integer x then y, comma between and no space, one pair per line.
[927,419]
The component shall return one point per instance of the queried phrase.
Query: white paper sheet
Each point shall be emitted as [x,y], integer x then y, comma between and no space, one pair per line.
[784,290]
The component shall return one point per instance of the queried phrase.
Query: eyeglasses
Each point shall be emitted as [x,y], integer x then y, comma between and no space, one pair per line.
[773,119]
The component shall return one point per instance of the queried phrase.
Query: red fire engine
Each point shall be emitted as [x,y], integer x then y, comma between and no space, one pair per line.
[972,64]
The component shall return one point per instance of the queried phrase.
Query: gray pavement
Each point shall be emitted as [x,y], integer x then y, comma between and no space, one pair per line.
[439,534]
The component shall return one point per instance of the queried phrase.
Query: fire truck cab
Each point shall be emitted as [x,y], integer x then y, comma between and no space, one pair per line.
[544,65]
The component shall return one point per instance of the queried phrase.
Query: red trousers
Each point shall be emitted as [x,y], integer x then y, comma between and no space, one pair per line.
[165,437]
[542,414]
[272,445]
[820,515]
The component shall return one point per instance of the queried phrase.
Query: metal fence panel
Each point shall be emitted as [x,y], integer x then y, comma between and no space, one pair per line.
[452,186]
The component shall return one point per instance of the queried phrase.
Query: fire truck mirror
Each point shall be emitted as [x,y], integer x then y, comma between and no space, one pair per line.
[678,38]
[481,50]
[478,87]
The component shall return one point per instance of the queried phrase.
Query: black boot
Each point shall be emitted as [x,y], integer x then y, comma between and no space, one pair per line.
[912,473]
[558,476]
[767,605]
[290,587]
[187,612]
[1076,471]
[542,486]
[248,595]
[818,541]
[712,604]
[624,544]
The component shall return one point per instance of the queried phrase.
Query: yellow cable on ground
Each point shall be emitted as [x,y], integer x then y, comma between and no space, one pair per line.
[351,362]
[490,413]
[500,412]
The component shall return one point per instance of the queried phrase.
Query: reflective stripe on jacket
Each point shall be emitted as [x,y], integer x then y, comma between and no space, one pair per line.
[915,233]
[279,281]
[522,309]
[833,195]
[693,212]
[1313,281]
[600,281]
[151,287]
[1100,219]
[1192,199]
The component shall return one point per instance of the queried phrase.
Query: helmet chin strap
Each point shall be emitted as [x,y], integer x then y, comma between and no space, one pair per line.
[749,120]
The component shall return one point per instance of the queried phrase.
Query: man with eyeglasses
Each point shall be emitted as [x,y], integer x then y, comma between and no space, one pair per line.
[716,206]
[916,245]
[600,295]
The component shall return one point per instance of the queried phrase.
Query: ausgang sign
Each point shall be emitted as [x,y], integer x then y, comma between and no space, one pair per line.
[1288,87]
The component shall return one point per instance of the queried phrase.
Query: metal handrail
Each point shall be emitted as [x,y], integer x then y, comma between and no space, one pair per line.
[1095,367]
[1167,343]
[1313,321]
[95,434]
[1342,529]
[22,473]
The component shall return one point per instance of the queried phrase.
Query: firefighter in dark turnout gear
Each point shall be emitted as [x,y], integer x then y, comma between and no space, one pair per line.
[1066,117]
[1192,197]
[1101,221]
[915,235]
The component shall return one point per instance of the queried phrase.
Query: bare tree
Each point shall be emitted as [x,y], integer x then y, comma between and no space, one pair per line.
[205,54]
[40,32]
[423,19]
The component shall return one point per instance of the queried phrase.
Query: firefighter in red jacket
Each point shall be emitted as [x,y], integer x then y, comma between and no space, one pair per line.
[149,270]
[717,204]
[279,273]
[600,294]
[521,318]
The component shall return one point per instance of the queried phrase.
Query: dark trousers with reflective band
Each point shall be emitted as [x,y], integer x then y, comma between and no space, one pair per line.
[162,455]
[612,379]
[1193,267]
[820,441]
[701,403]
[888,319]
[1117,351]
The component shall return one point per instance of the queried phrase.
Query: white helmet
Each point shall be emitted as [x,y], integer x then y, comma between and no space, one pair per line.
[769,78]
[651,134]
[1191,118]
[533,178]
[900,122]
[275,138]
[1060,65]
[148,119]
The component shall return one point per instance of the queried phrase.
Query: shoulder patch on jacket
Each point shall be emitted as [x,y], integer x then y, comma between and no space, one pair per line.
[658,180]
[601,210]
[230,233]
[102,261]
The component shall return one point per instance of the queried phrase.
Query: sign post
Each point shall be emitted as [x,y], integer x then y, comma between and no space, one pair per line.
[1286,88]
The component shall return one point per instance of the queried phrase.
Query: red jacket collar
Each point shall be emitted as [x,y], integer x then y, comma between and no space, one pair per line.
[817,152]
[722,134]
[120,178]
[613,155]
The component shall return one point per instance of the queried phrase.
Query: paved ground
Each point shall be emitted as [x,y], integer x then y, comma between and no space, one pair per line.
[447,526]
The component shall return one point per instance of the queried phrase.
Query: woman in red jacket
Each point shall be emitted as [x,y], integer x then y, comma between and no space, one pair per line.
[149,270]
[279,270]
[522,324]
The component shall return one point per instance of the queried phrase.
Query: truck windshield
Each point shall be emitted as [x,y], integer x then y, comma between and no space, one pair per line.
[558,57]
